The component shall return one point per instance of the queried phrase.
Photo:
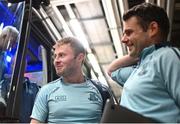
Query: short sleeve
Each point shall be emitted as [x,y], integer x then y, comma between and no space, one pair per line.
[40,108]
[122,74]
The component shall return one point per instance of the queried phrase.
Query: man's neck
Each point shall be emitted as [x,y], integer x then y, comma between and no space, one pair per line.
[74,79]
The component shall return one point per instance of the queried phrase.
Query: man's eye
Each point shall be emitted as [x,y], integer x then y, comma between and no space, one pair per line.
[61,55]
[58,56]
[128,32]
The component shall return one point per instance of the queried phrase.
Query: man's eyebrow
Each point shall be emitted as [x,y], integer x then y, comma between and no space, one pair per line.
[127,31]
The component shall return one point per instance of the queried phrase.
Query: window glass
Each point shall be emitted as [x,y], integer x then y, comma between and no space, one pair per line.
[10,25]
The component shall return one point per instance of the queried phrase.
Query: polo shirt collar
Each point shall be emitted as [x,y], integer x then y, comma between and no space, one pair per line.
[148,50]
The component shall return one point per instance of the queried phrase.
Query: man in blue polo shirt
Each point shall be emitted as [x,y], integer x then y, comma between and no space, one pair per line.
[151,87]
[72,98]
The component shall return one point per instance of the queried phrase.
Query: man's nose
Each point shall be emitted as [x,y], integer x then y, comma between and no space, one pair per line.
[124,39]
[57,59]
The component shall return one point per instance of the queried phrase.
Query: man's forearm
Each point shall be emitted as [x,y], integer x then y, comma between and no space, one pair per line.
[34,121]
[121,62]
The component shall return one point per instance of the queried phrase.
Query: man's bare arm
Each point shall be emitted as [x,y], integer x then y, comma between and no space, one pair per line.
[121,62]
[34,121]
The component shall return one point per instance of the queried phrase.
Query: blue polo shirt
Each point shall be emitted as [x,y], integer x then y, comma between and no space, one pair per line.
[60,102]
[152,87]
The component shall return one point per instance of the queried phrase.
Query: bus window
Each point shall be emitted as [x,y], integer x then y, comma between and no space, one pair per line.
[34,67]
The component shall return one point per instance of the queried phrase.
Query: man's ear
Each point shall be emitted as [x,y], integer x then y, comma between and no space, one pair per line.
[80,57]
[153,29]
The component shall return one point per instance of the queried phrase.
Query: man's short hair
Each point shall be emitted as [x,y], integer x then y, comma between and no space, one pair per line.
[76,45]
[146,13]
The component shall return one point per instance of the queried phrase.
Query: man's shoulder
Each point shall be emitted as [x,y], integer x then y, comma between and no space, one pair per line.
[100,86]
[54,81]
[51,85]
[166,55]
[98,83]
[167,51]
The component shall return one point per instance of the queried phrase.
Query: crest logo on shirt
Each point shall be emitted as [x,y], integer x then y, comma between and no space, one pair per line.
[60,98]
[92,97]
